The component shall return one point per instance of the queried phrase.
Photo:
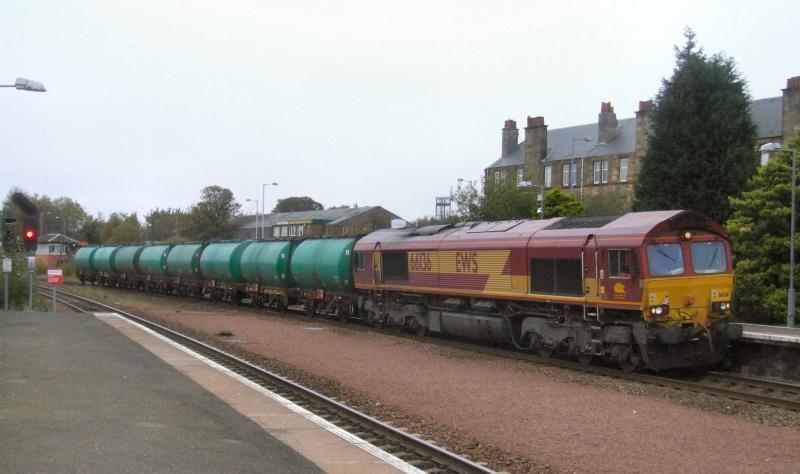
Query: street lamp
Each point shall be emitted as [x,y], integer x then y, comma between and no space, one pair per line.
[23,84]
[572,160]
[790,310]
[263,205]
[255,201]
[584,156]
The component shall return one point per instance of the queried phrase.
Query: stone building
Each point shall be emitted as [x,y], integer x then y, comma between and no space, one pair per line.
[336,221]
[600,161]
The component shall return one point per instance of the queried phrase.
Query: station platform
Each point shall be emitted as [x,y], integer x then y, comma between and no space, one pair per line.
[770,334]
[96,393]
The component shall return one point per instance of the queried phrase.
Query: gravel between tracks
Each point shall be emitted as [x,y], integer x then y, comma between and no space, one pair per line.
[517,416]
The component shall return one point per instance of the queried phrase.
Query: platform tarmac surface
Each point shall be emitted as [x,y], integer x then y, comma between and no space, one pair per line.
[78,396]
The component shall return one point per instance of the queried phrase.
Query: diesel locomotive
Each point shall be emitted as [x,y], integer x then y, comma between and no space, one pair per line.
[642,290]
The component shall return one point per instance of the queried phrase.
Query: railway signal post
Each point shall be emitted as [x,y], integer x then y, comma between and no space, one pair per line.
[31,269]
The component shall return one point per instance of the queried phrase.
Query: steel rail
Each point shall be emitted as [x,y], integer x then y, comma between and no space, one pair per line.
[424,449]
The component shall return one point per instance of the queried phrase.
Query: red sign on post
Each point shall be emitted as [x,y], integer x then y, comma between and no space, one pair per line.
[55,277]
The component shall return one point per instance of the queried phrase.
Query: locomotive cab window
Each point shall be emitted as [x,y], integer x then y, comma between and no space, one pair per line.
[709,257]
[395,265]
[621,263]
[665,259]
[360,265]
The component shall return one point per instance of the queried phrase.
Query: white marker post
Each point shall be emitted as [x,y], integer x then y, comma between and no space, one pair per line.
[31,269]
[55,277]
[6,274]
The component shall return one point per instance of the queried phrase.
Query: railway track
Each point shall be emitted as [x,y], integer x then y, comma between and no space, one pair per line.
[756,391]
[417,452]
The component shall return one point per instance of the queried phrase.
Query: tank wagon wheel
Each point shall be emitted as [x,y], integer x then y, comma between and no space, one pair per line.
[342,313]
[311,309]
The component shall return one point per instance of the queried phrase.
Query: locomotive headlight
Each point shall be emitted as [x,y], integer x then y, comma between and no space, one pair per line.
[723,307]
[660,310]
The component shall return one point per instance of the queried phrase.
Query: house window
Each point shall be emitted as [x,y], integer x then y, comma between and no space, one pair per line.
[276,231]
[519,176]
[301,230]
[292,230]
[284,231]
[623,170]
[567,176]
[548,176]
[600,172]
[499,176]
[52,249]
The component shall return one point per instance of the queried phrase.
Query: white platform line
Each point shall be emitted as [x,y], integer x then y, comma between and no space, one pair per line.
[346,435]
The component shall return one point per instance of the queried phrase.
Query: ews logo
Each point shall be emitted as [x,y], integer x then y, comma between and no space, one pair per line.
[466,262]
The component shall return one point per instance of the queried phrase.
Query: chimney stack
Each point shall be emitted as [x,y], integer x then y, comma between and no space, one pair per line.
[642,126]
[535,148]
[510,138]
[791,109]
[606,123]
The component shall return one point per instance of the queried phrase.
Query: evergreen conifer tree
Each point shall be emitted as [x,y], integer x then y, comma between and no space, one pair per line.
[701,149]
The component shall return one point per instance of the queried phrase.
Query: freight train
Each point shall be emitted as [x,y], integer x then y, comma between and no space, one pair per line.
[642,290]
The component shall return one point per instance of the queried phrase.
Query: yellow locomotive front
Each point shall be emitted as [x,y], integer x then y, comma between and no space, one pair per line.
[687,289]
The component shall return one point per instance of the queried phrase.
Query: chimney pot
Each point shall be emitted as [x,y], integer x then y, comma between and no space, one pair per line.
[644,105]
[535,122]
[793,83]
[510,124]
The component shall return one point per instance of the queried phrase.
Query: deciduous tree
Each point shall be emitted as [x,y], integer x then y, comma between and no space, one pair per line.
[297,203]
[211,218]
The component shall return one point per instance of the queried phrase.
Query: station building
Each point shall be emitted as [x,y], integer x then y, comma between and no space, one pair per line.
[600,161]
[335,221]
[52,249]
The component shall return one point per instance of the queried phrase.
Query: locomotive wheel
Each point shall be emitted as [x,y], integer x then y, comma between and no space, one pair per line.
[536,345]
[341,313]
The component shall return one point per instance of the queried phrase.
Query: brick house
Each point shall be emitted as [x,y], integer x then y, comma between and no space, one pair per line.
[335,221]
[600,161]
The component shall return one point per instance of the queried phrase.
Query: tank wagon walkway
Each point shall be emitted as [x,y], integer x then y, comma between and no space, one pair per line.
[79,396]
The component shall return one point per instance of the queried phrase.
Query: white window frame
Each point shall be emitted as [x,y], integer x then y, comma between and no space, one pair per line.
[604,172]
[519,176]
[292,230]
[568,176]
[276,231]
[548,176]
[623,170]
[596,172]
[300,230]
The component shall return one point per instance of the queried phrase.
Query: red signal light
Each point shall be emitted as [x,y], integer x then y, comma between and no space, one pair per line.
[30,234]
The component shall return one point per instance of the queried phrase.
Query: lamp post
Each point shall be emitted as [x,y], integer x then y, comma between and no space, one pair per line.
[22,84]
[584,156]
[791,312]
[255,201]
[539,186]
[572,160]
[263,205]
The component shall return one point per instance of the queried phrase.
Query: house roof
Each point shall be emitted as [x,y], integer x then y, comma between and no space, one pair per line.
[767,114]
[57,239]
[333,216]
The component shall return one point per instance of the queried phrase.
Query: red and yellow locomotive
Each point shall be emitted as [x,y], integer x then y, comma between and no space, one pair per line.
[647,289]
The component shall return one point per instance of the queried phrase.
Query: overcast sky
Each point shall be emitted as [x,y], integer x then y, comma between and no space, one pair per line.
[347,102]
